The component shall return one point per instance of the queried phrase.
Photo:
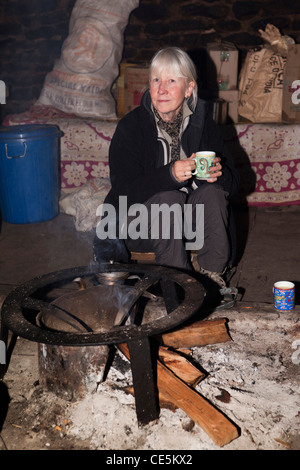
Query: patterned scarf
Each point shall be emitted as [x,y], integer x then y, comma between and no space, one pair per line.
[173,129]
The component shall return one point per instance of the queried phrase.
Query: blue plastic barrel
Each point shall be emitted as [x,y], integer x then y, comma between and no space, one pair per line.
[29,173]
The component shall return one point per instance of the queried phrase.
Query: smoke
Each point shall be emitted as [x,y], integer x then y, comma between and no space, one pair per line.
[110,250]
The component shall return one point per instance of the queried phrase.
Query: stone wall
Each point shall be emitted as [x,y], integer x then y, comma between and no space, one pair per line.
[32,33]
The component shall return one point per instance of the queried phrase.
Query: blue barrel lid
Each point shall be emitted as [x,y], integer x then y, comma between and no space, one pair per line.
[28,131]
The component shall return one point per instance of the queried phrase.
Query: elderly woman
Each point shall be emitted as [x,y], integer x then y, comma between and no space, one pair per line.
[151,164]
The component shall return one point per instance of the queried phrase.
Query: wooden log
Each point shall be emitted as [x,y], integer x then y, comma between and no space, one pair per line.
[180,366]
[217,426]
[199,333]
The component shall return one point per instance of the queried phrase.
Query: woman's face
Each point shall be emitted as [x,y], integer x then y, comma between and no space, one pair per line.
[168,93]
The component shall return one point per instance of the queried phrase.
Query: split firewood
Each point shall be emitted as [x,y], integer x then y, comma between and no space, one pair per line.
[219,428]
[180,366]
[199,333]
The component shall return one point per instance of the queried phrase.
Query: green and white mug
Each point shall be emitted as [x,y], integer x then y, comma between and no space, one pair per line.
[204,160]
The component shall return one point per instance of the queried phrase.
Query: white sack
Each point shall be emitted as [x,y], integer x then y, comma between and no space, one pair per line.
[81,80]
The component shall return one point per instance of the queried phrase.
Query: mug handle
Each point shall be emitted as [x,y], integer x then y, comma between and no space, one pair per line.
[195,171]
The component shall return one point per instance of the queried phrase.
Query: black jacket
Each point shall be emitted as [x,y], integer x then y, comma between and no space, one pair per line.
[136,156]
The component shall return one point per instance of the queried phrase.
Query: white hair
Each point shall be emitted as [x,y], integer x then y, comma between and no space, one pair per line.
[178,62]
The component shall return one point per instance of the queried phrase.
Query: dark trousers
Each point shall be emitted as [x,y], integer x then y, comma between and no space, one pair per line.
[171,251]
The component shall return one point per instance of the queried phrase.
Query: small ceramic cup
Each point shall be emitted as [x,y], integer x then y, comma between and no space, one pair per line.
[284,295]
[204,160]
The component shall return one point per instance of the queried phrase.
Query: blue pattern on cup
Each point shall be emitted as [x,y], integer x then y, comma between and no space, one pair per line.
[284,297]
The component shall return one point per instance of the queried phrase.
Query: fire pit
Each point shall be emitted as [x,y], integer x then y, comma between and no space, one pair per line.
[50,310]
